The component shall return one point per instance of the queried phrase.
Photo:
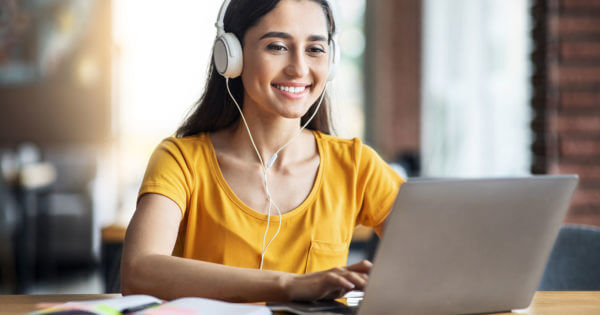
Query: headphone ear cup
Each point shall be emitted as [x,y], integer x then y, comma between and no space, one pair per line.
[334,59]
[228,56]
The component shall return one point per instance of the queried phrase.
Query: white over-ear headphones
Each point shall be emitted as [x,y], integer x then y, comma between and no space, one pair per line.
[227,50]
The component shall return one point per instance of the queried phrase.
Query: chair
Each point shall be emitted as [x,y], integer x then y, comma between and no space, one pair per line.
[574,264]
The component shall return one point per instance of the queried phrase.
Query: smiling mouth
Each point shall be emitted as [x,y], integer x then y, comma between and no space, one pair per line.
[291,89]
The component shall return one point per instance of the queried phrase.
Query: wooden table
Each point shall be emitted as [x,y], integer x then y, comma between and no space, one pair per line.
[544,303]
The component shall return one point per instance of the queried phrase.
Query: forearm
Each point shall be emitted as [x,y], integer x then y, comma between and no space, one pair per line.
[169,277]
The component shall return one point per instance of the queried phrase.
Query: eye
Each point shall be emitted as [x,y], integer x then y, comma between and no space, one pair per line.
[317,50]
[276,47]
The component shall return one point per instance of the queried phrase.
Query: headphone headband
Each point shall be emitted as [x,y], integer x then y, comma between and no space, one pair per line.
[332,9]
[220,24]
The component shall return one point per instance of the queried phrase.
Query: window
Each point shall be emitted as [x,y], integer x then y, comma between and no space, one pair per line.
[476,88]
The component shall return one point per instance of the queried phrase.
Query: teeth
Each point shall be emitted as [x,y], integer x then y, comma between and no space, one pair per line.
[291,89]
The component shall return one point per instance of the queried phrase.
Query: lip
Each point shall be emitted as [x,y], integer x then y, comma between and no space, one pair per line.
[293,96]
[294,84]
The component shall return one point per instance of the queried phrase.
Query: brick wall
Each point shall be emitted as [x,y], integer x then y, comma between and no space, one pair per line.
[393,68]
[566,98]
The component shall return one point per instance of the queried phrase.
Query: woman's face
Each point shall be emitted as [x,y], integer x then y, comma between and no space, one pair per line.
[286,59]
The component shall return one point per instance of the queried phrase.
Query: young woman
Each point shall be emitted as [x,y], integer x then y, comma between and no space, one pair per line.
[258,208]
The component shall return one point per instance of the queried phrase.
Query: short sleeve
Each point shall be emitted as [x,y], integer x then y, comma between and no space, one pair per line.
[378,185]
[168,174]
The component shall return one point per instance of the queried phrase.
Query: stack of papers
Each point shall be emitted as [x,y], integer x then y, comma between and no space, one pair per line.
[149,305]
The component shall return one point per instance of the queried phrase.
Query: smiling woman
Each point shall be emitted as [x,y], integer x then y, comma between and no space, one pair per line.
[203,224]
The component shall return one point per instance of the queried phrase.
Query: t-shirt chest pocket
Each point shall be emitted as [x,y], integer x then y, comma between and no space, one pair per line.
[325,255]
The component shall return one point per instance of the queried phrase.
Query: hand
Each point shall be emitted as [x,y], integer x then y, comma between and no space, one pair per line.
[328,284]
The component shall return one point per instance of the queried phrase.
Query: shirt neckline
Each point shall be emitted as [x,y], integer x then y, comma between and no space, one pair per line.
[220,178]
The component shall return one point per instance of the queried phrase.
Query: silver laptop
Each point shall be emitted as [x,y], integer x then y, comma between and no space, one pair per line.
[459,246]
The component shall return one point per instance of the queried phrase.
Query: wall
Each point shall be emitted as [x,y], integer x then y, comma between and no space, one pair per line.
[393,65]
[566,98]
[69,102]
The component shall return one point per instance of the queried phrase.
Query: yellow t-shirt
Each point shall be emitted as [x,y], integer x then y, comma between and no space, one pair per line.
[353,186]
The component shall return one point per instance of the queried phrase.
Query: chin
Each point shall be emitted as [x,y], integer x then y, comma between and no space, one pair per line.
[292,115]
[293,111]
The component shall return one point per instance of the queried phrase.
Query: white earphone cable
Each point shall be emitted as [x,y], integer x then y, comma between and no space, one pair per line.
[269,164]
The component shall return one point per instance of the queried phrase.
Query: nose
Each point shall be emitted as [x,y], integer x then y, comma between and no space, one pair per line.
[298,65]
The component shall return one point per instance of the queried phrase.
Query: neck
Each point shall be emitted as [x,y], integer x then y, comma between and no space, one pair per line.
[266,135]
[269,135]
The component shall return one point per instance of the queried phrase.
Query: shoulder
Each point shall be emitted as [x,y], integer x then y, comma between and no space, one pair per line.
[337,143]
[350,150]
[185,145]
[184,152]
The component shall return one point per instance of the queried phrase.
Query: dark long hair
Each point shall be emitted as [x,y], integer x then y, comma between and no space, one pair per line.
[215,110]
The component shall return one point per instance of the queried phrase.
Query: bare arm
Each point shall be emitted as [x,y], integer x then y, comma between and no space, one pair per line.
[148,267]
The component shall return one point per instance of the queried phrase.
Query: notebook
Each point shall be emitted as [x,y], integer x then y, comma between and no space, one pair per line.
[149,305]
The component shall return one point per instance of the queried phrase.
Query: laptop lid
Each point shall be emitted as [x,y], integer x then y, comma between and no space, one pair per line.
[456,246]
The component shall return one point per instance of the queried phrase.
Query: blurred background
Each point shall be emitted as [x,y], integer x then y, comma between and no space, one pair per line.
[440,88]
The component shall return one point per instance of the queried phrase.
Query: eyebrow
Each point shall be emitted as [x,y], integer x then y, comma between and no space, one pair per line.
[311,38]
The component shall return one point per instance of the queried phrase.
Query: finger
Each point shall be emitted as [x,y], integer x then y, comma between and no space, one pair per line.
[339,286]
[363,266]
[365,276]
[338,280]
[358,279]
